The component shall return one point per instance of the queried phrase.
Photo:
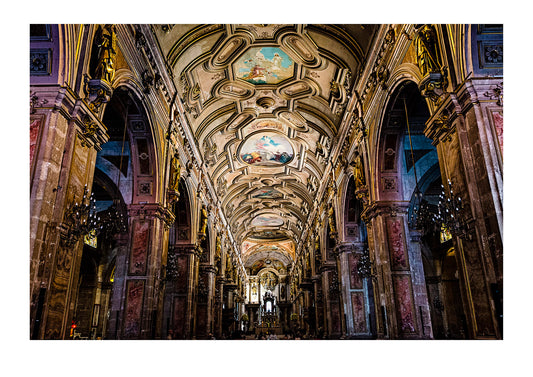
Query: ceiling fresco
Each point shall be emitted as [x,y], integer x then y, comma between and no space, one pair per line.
[266,149]
[264,104]
[264,65]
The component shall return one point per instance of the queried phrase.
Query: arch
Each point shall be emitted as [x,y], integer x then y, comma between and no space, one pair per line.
[390,159]
[128,120]
[181,229]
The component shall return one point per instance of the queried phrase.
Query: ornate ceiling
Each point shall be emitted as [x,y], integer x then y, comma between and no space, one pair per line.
[264,103]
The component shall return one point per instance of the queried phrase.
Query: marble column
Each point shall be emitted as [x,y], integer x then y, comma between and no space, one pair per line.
[142,287]
[71,136]
[401,291]
[466,129]
[115,320]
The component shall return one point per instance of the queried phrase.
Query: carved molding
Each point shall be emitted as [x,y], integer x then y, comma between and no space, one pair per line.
[384,208]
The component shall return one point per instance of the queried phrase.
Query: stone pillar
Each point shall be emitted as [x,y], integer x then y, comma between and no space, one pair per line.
[401,292]
[142,286]
[116,307]
[180,290]
[205,301]
[355,291]
[466,129]
[62,162]
[217,307]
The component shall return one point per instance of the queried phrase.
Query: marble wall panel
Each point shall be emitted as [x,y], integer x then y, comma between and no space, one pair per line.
[355,280]
[134,305]
[498,125]
[35,126]
[405,311]
[139,248]
[398,251]
[179,310]
[359,313]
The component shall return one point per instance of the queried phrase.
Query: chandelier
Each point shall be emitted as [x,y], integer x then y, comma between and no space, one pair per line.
[447,216]
[364,265]
[450,212]
[81,219]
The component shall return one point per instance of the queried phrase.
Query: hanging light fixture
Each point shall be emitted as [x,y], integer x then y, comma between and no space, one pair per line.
[81,219]
[450,214]
[364,265]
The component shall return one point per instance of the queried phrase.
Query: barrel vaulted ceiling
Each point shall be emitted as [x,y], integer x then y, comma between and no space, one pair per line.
[264,103]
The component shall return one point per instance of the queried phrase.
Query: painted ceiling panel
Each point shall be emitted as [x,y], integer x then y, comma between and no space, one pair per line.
[264,102]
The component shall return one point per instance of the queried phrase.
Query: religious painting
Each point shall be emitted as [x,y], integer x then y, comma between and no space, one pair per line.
[269,280]
[35,125]
[264,65]
[498,125]
[267,220]
[266,193]
[266,149]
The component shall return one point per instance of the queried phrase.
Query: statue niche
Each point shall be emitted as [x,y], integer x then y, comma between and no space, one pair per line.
[104,52]
[428,60]
[174,180]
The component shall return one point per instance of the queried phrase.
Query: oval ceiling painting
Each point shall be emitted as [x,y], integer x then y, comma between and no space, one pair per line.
[264,65]
[267,220]
[266,149]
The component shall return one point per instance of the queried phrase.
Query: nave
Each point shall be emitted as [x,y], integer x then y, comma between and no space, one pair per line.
[264,181]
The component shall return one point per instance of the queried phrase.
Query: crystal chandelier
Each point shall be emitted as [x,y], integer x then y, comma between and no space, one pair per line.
[450,212]
[81,219]
[364,265]
[112,220]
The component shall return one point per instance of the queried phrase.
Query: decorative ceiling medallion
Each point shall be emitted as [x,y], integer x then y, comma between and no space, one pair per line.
[266,193]
[264,65]
[267,220]
[265,102]
[269,149]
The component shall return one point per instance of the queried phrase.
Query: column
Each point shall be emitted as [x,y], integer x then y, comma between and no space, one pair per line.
[465,129]
[71,137]
[401,291]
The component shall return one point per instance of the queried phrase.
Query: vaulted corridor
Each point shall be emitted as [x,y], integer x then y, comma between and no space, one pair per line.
[303,181]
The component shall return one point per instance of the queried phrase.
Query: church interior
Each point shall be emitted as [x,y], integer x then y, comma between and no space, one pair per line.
[266,181]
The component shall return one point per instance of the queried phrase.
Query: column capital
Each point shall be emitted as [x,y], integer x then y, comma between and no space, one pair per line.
[145,210]
[385,208]
[346,247]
